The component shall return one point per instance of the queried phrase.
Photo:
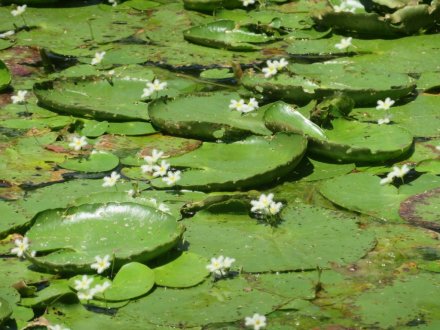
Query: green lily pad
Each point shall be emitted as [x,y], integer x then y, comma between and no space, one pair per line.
[293,245]
[78,234]
[186,270]
[5,310]
[429,165]
[226,34]
[93,128]
[98,162]
[406,299]
[243,164]
[210,5]
[131,128]
[190,116]
[5,76]
[14,219]
[54,123]
[353,141]
[56,290]
[217,74]
[422,209]
[131,281]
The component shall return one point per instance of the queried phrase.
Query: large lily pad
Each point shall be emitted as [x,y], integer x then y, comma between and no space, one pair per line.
[5,310]
[76,235]
[98,162]
[243,164]
[308,237]
[353,141]
[226,34]
[206,117]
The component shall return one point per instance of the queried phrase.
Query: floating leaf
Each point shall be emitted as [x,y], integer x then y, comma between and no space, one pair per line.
[5,310]
[422,209]
[97,162]
[78,234]
[5,76]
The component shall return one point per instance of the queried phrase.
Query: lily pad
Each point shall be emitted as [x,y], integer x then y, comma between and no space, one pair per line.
[5,76]
[131,281]
[293,245]
[98,162]
[353,141]
[131,128]
[206,117]
[186,270]
[243,164]
[5,310]
[76,235]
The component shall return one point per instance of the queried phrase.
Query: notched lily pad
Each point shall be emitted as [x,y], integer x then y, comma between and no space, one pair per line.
[71,238]
[97,162]
[5,76]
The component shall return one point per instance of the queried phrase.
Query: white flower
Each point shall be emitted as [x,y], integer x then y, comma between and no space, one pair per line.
[156,85]
[164,208]
[216,266]
[99,56]
[78,142]
[110,181]
[147,168]
[344,43]
[171,178]
[239,105]
[437,148]
[274,208]
[385,105]
[227,262]
[146,92]
[113,2]
[19,10]
[252,104]
[257,321]
[85,295]
[100,288]
[7,34]
[21,246]
[19,98]
[270,70]
[385,120]
[83,283]
[247,2]
[130,192]
[281,64]
[400,172]
[154,158]
[101,264]
[161,170]
[262,204]
[388,179]
[57,327]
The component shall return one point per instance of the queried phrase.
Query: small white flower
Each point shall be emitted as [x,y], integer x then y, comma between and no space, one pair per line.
[110,181]
[227,262]
[83,283]
[216,266]
[131,192]
[252,104]
[19,98]
[7,34]
[257,321]
[344,43]
[100,288]
[247,2]
[22,245]
[385,120]
[161,170]
[101,264]
[270,70]
[387,180]
[147,168]
[274,208]
[164,208]
[99,56]
[113,2]
[57,327]
[400,172]
[239,105]
[262,204]
[171,178]
[156,85]
[111,72]
[281,64]
[78,142]
[85,295]
[146,92]
[437,148]
[19,10]
[154,158]
[385,105]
